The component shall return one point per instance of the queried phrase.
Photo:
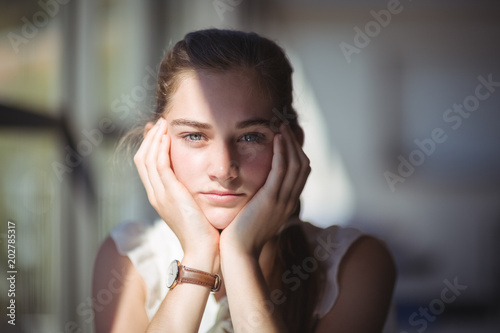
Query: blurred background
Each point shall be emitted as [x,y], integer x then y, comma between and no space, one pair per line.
[400,101]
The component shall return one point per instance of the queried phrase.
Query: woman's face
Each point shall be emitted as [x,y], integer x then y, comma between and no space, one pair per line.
[221,141]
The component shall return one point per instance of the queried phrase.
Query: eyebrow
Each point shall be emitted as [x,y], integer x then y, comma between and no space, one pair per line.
[253,122]
[240,125]
[190,123]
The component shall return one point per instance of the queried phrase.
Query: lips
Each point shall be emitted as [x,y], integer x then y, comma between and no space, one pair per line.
[222,197]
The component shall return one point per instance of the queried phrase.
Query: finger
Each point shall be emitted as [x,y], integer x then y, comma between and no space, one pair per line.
[152,158]
[164,151]
[278,168]
[154,141]
[304,161]
[305,170]
[143,149]
[139,160]
[164,166]
[297,173]
[293,163]
[302,177]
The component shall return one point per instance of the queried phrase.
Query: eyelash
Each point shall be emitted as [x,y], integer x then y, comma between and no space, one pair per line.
[257,138]
[189,135]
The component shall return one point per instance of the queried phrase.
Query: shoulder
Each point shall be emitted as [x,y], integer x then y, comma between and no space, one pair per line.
[110,264]
[149,248]
[118,290]
[366,279]
[141,239]
[132,234]
[370,252]
[347,246]
[368,262]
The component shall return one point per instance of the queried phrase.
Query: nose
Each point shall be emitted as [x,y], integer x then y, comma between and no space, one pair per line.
[223,166]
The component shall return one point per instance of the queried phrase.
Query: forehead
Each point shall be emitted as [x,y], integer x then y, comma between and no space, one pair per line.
[228,96]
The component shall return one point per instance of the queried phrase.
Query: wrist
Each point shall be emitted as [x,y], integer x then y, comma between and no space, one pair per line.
[180,274]
[231,246]
[206,260]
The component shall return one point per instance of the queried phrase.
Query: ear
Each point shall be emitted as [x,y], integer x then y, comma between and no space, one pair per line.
[148,126]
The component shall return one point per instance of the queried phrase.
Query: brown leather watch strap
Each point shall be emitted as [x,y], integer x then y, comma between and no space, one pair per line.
[191,275]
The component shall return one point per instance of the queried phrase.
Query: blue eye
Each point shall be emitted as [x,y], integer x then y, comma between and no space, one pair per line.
[194,136]
[194,139]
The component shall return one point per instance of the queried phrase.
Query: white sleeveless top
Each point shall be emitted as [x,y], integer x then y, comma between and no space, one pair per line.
[151,247]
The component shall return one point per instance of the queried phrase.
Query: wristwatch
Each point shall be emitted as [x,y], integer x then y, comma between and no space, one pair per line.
[178,273]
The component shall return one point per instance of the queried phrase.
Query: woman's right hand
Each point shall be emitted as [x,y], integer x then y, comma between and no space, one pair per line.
[170,198]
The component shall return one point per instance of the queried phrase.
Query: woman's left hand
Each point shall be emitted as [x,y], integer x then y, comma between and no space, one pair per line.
[275,201]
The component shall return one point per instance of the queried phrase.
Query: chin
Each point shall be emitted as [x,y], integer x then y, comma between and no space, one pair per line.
[220,218]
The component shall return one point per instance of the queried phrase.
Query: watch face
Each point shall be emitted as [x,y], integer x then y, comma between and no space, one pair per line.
[172,273]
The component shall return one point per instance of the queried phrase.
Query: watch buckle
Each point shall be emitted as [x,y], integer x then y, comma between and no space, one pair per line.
[217,284]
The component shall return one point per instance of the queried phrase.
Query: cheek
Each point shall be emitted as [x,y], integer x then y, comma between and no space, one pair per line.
[185,164]
[256,164]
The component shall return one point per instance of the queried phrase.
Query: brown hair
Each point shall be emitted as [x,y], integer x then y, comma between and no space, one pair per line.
[217,51]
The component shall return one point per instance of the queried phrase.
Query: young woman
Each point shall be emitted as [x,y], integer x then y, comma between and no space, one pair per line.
[223,166]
